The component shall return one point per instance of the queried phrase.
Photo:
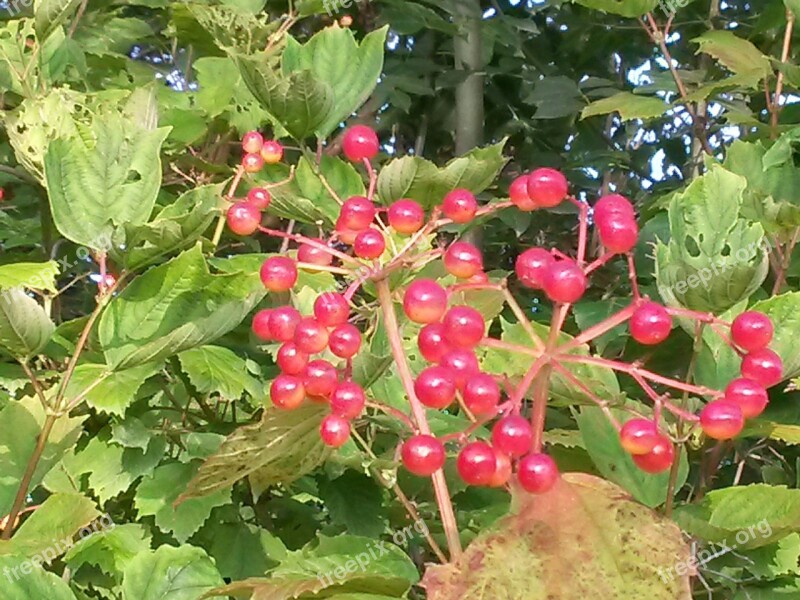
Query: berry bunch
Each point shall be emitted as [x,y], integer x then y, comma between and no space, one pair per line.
[370,243]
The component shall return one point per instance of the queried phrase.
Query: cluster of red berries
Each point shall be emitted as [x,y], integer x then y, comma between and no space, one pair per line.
[244,216]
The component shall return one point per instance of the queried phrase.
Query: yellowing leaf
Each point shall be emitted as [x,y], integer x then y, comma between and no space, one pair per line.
[629,106]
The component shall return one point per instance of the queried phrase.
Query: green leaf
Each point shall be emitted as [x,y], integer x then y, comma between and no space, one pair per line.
[111,549]
[346,564]
[59,518]
[51,14]
[565,544]
[103,461]
[354,501]
[25,327]
[305,198]
[213,369]
[241,550]
[174,307]
[333,56]
[156,494]
[283,447]
[714,258]
[758,514]
[419,179]
[26,581]
[601,441]
[629,106]
[737,54]
[117,389]
[108,176]
[176,227]
[556,97]
[793,5]
[32,276]
[300,102]
[624,8]
[169,573]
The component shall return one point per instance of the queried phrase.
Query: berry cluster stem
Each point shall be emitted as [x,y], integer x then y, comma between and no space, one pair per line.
[443,500]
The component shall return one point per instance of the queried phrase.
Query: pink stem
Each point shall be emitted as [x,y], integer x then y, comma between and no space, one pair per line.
[301,239]
[599,329]
[583,223]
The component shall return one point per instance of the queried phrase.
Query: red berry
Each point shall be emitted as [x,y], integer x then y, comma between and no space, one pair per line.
[345,341]
[547,187]
[435,387]
[252,163]
[531,267]
[763,366]
[320,378]
[252,142]
[721,420]
[748,395]
[243,218]
[512,435]
[618,233]
[348,400]
[314,255]
[464,327]
[481,394]
[291,360]
[752,330]
[283,322]
[476,463]
[479,278]
[331,309]
[424,301]
[345,235]
[369,244]
[537,473]
[260,325]
[406,216]
[360,142]
[334,431]
[659,459]
[432,343]
[650,324]
[311,336]
[259,197]
[564,282]
[463,260]
[463,363]
[279,274]
[460,206]
[518,192]
[613,204]
[423,455]
[357,213]
[286,391]
[502,470]
[272,152]
[639,436]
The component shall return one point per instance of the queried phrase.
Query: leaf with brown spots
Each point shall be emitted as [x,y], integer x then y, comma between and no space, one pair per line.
[586,538]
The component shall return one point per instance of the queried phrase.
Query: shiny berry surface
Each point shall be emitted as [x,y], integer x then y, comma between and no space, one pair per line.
[763,366]
[272,152]
[424,301]
[432,343]
[260,325]
[463,260]
[348,400]
[435,387]
[345,340]
[650,324]
[357,213]
[369,244]
[531,267]
[252,163]
[518,194]
[460,206]
[334,431]
[659,459]
[314,255]
[564,282]
[463,326]
[721,420]
[291,360]
[331,309]
[502,470]
[476,463]
[463,363]
[481,394]
[537,473]
[360,142]
[613,204]
[311,336]
[512,435]
[243,218]
[320,378]
[752,330]
[423,455]
[639,436]
[547,187]
[406,216]
[252,142]
[748,395]
[279,274]
[283,322]
[287,391]
[618,233]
